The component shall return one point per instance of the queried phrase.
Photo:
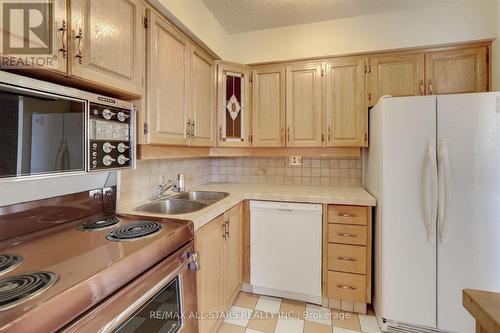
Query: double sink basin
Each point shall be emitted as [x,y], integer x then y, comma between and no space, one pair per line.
[183,203]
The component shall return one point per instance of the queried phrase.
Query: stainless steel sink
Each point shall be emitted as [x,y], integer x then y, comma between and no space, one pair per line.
[172,206]
[183,203]
[207,197]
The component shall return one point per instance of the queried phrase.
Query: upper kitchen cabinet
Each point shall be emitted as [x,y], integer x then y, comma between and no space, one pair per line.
[202,91]
[453,71]
[345,106]
[107,40]
[303,105]
[168,78]
[233,105]
[396,75]
[48,51]
[268,106]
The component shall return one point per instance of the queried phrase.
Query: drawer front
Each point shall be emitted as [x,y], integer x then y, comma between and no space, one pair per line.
[347,258]
[347,286]
[347,234]
[347,214]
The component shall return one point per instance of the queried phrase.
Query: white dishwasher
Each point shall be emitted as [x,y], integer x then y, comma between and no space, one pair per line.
[285,250]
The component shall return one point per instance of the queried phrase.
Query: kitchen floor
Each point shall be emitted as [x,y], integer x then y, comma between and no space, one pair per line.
[252,313]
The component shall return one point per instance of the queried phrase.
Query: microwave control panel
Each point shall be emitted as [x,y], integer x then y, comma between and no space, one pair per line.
[110,137]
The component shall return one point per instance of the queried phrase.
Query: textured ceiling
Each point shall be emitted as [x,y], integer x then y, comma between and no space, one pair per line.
[247,15]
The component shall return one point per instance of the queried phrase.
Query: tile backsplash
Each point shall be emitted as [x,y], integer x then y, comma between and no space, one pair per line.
[275,170]
[141,183]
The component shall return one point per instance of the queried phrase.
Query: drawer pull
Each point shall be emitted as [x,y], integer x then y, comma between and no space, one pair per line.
[346,215]
[345,234]
[342,286]
[347,258]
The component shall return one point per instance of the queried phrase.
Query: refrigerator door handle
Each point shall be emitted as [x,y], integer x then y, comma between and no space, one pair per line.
[444,190]
[432,216]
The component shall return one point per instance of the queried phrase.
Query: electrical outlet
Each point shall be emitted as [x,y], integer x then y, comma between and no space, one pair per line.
[295,160]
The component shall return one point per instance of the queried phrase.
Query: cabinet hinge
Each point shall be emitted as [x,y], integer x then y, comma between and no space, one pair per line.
[366,69]
[322,137]
[369,68]
[366,137]
[145,22]
[322,72]
[369,96]
[146,129]
[250,78]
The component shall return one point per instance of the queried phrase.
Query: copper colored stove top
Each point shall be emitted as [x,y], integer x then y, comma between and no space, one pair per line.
[86,265]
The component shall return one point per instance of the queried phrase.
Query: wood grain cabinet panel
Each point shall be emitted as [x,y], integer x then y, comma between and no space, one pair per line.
[346,286]
[202,98]
[232,255]
[347,234]
[108,42]
[169,53]
[347,258]
[209,247]
[303,105]
[456,71]
[268,106]
[346,111]
[396,75]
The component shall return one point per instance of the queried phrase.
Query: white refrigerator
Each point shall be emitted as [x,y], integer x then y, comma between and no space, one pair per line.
[433,165]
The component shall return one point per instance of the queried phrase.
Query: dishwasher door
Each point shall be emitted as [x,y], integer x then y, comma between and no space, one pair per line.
[285,250]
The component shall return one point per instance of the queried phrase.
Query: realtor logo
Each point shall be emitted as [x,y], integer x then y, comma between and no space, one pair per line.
[27,28]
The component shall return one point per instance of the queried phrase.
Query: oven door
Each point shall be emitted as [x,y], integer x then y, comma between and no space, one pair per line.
[41,133]
[162,300]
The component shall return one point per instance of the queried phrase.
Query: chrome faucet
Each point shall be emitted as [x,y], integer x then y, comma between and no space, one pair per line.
[175,185]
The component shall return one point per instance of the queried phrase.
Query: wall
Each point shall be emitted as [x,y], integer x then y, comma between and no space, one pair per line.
[462,20]
[141,184]
[496,54]
[275,170]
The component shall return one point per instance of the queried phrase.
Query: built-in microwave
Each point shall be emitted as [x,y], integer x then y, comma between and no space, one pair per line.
[49,129]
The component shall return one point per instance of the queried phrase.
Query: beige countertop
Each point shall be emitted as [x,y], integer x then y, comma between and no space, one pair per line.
[340,195]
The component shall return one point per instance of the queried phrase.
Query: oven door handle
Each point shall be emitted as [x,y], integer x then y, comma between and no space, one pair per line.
[192,260]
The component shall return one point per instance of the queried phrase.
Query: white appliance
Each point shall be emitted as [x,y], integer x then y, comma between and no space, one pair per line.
[285,250]
[434,167]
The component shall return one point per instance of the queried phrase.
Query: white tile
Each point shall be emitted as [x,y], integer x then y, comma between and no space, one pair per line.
[268,304]
[318,314]
[238,316]
[343,330]
[369,324]
[249,330]
[289,325]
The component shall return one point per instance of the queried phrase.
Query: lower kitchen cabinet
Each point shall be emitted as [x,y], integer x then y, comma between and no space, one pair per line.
[219,244]
[348,249]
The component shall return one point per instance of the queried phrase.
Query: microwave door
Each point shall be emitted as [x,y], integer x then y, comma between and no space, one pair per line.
[47,141]
[72,129]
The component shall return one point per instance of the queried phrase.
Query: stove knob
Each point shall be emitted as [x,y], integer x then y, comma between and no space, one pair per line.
[107,147]
[107,114]
[122,147]
[107,160]
[122,116]
[94,145]
[95,112]
[122,159]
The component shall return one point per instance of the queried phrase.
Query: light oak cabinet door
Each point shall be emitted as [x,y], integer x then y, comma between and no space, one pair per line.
[232,255]
[233,111]
[268,106]
[456,71]
[202,91]
[51,54]
[208,242]
[345,107]
[108,43]
[396,75]
[169,54]
[303,105]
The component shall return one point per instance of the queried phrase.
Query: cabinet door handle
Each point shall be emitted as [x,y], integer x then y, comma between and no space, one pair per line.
[227,228]
[80,41]
[343,286]
[346,215]
[345,234]
[188,128]
[193,129]
[282,131]
[220,133]
[224,231]
[347,258]
[64,30]
[421,87]
[288,133]
[329,133]
[431,91]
